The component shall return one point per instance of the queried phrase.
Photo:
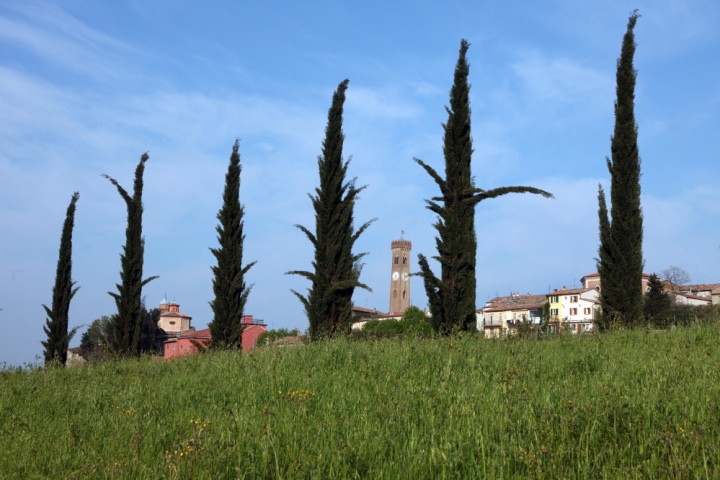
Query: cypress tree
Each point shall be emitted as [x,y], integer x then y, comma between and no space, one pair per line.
[452,296]
[126,324]
[328,303]
[621,256]
[56,326]
[229,286]
[605,266]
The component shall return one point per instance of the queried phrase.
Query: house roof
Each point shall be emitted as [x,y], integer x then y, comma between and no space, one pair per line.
[694,297]
[596,274]
[357,309]
[568,291]
[174,314]
[700,287]
[204,333]
[515,302]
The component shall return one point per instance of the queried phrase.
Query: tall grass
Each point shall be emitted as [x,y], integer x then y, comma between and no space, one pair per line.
[623,405]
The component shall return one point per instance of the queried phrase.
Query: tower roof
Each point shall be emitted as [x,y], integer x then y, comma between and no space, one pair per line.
[406,244]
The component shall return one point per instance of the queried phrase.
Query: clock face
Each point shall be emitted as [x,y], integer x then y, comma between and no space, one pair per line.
[395,276]
[405,276]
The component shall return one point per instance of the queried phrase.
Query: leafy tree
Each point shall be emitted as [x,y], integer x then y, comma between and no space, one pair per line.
[95,342]
[127,324]
[414,323]
[657,303]
[452,296]
[56,326]
[231,292]
[620,260]
[677,275]
[328,303]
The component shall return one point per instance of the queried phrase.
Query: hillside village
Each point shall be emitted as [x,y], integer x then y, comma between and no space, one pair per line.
[571,310]
[574,309]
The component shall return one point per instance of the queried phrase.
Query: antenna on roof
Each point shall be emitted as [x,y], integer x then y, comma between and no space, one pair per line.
[402,232]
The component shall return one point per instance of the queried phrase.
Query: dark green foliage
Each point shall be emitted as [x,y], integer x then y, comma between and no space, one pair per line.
[657,304]
[452,296]
[336,274]
[620,260]
[231,292]
[152,337]
[545,318]
[56,325]
[127,324]
[606,317]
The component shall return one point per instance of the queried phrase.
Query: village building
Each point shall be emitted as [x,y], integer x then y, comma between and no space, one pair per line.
[573,309]
[502,314]
[183,339]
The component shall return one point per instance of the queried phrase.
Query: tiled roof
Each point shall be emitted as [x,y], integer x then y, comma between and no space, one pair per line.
[174,314]
[515,302]
[694,297]
[700,287]
[366,310]
[569,291]
[204,333]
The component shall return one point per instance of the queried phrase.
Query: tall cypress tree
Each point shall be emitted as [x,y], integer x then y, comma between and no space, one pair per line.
[605,265]
[231,292]
[621,258]
[452,296]
[336,274]
[126,324]
[56,327]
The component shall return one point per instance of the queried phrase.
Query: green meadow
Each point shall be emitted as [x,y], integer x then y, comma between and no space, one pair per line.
[629,404]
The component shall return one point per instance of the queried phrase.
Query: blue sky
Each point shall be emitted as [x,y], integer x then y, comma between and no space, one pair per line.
[86,87]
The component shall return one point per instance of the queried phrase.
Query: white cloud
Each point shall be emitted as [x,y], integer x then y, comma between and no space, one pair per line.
[561,84]
[51,33]
[382,103]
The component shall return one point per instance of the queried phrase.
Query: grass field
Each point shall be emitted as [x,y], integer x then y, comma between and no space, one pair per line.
[631,404]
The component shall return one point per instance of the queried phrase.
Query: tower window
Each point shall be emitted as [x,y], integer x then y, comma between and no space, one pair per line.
[404,260]
[397,259]
[403,294]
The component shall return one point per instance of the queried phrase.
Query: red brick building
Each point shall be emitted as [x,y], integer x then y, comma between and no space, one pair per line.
[185,341]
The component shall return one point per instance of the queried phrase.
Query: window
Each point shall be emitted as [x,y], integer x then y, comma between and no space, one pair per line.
[573,311]
[554,312]
[574,299]
[403,294]
[554,299]
[586,311]
[404,260]
[397,260]
[491,319]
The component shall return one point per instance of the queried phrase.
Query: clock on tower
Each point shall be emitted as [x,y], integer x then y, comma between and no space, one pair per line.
[400,276]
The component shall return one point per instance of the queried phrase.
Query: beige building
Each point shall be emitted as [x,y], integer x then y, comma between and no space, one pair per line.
[501,315]
[593,281]
[171,319]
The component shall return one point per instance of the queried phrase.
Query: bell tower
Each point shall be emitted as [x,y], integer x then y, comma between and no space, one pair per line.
[400,276]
